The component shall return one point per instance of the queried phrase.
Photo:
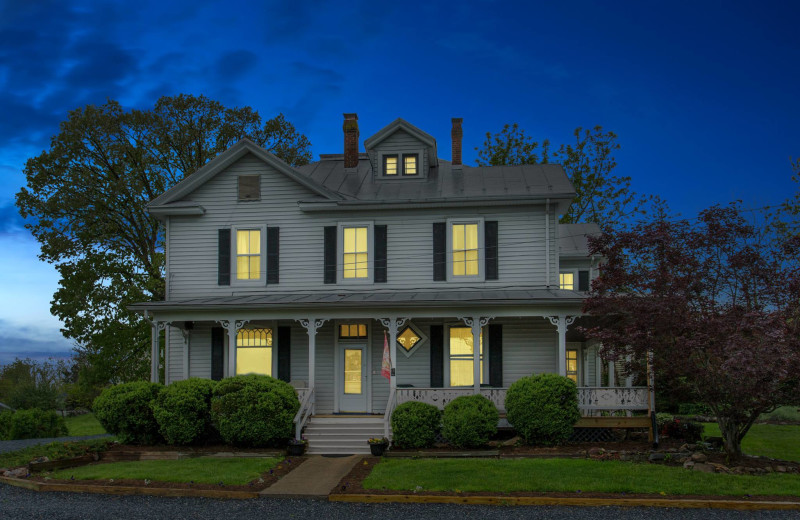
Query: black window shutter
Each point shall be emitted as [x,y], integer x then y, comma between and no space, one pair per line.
[490,242]
[330,254]
[224,262]
[273,254]
[583,280]
[380,254]
[496,355]
[436,340]
[439,251]
[217,352]
[284,353]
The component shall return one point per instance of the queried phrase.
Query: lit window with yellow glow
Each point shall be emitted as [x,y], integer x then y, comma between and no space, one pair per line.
[353,331]
[572,365]
[355,260]
[408,339]
[462,360]
[567,281]
[390,165]
[409,165]
[254,352]
[465,250]
[248,254]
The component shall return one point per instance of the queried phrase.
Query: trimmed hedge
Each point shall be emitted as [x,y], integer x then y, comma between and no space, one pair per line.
[183,411]
[124,410]
[254,411]
[543,408]
[31,424]
[469,421]
[415,425]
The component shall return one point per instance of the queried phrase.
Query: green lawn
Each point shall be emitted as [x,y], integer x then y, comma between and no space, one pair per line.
[205,470]
[784,413]
[85,424]
[53,451]
[568,475]
[778,441]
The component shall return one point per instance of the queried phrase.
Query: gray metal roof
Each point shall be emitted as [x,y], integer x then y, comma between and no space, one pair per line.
[534,181]
[448,298]
[572,238]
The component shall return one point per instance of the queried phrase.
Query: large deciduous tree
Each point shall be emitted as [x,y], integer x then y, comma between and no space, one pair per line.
[601,197]
[715,300]
[85,203]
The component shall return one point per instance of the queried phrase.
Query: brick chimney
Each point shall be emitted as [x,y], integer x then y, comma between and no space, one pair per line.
[456,134]
[350,140]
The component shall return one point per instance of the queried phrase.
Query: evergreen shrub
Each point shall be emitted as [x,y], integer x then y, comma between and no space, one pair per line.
[469,421]
[183,411]
[254,411]
[32,424]
[5,424]
[543,408]
[415,425]
[124,410]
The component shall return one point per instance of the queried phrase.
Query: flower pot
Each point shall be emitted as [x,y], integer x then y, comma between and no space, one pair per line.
[378,449]
[296,450]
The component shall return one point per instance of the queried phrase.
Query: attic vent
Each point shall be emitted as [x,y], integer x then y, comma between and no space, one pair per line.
[249,187]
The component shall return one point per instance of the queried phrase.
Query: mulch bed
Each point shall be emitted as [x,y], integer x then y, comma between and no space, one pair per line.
[351,484]
[269,478]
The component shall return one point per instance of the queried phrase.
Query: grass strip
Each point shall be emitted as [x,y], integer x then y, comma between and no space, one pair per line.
[53,451]
[86,424]
[777,441]
[568,475]
[201,470]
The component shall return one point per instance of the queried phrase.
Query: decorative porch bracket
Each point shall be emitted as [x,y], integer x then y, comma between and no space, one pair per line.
[312,325]
[476,323]
[562,322]
[393,325]
[233,327]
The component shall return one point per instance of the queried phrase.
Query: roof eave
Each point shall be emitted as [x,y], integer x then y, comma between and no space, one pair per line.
[562,201]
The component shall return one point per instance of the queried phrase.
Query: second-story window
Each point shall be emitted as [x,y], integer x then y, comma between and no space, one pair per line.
[567,281]
[465,250]
[355,262]
[248,254]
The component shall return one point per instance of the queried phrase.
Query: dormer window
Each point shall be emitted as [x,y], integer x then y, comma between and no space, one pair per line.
[390,165]
[401,164]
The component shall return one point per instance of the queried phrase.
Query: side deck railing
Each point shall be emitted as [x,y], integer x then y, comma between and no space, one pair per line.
[306,396]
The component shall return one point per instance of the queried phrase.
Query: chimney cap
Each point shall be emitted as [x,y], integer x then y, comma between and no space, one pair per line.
[349,117]
[457,120]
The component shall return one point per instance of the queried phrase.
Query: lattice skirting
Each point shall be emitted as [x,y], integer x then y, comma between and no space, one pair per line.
[591,435]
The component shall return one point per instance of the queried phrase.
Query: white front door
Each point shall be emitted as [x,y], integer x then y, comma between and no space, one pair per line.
[353,384]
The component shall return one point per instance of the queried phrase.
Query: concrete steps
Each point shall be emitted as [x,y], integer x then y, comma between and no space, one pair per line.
[342,435]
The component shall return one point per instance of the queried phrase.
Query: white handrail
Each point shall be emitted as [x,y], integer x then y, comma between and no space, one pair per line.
[300,419]
[387,416]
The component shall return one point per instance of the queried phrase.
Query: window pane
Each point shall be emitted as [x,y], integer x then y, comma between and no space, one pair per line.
[461,372]
[251,360]
[352,371]
[390,165]
[349,240]
[410,164]
[255,242]
[242,238]
[471,232]
[460,340]
[472,263]
[567,281]
[255,267]
[242,268]
[361,240]
[362,331]
[458,237]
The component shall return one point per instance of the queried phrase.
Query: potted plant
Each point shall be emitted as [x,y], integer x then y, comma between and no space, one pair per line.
[378,445]
[296,447]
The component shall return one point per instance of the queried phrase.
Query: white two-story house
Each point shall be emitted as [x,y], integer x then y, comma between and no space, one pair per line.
[303,273]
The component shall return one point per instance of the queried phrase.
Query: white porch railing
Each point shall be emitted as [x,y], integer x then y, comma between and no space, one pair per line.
[305,411]
[387,416]
[590,399]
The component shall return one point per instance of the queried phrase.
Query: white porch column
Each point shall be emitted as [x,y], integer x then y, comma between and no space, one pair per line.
[612,376]
[393,325]
[187,335]
[561,322]
[476,323]
[312,325]
[232,326]
[154,332]
[629,378]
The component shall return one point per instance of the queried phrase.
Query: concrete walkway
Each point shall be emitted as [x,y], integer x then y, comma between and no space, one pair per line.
[315,478]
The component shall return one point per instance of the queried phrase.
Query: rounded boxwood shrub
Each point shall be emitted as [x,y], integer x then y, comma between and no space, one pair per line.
[415,425]
[543,408]
[5,425]
[469,421]
[254,411]
[124,410]
[183,411]
[35,424]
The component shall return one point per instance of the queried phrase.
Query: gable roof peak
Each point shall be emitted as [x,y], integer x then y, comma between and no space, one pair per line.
[394,126]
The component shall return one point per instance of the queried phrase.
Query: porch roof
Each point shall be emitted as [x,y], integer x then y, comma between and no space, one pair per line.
[384,298]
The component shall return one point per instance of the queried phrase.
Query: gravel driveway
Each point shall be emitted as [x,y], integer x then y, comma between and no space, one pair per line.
[18,503]
[6,446]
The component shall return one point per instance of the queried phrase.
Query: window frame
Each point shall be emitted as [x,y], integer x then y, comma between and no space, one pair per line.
[400,155]
[398,168]
[262,279]
[341,252]
[403,164]
[267,326]
[446,349]
[481,250]
[239,187]
[574,274]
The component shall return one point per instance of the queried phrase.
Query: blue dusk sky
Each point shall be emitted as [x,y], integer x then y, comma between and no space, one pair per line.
[703,95]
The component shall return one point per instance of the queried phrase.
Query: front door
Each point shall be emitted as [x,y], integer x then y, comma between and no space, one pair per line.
[353,378]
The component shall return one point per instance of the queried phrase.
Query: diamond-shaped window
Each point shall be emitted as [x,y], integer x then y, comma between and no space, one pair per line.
[408,339]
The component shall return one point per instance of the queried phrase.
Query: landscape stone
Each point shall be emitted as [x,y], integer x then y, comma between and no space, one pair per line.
[705,468]
[688,464]
[596,452]
[699,457]
[656,456]
[16,473]
[780,469]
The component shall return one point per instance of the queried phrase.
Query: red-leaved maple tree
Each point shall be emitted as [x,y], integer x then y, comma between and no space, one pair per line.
[717,302]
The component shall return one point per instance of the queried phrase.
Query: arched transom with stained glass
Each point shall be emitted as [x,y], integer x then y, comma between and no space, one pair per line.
[254,351]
